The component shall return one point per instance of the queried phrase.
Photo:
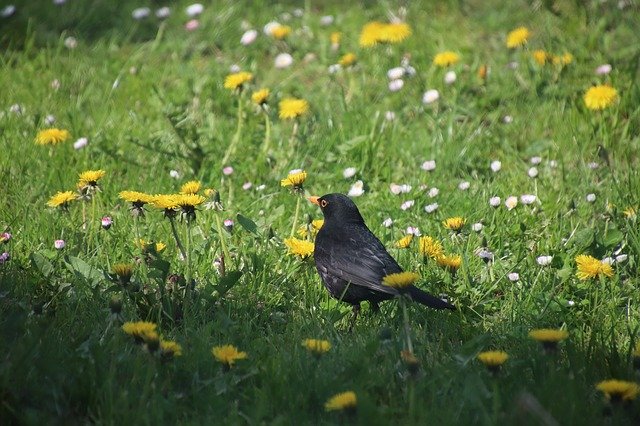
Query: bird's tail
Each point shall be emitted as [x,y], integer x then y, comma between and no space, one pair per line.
[428,300]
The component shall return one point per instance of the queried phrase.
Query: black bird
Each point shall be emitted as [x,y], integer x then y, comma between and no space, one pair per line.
[352,262]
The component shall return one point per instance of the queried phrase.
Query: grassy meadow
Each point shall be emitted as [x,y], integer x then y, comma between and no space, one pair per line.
[146,179]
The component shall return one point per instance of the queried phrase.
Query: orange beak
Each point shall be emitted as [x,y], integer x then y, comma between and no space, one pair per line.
[314,200]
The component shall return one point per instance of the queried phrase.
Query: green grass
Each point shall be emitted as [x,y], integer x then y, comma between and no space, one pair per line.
[150,99]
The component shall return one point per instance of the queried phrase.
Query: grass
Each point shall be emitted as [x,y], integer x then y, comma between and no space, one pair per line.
[149,97]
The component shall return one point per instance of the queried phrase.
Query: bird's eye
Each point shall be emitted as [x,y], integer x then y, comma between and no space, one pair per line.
[323,203]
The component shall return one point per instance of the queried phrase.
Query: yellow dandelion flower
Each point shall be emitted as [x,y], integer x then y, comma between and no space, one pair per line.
[237,80]
[371,34]
[396,32]
[518,37]
[227,354]
[170,349]
[124,271]
[280,31]
[348,60]
[314,227]
[189,200]
[630,212]
[260,97]
[191,187]
[300,248]
[292,108]
[548,337]
[316,346]
[400,279]
[450,262]
[600,97]
[90,178]
[590,267]
[564,59]
[52,136]
[446,58]
[165,201]
[136,198]
[411,361]
[141,331]
[342,401]
[540,56]
[619,390]
[148,246]
[482,72]
[404,242]
[493,360]
[454,223]
[62,199]
[430,247]
[295,179]
[335,37]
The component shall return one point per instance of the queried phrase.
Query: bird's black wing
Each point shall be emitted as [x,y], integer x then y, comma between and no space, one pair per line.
[358,257]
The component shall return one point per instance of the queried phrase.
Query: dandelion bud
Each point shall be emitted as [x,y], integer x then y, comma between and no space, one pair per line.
[115,304]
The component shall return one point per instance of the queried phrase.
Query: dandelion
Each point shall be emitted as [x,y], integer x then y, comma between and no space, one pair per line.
[540,56]
[347,60]
[518,37]
[88,180]
[450,262]
[123,271]
[292,108]
[410,360]
[378,32]
[618,390]
[334,39]
[590,267]
[260,97]
[430,247]
[483,71]
[400,280]
[630,212]
[316,347]
[279,32]
[140,330]
[52,136]
[454,223]
[188,204]
[446,58]
[345,401]
[137,200]
[237,80]
[62,199]
[314,227]
[191,187]
[300,248]
[493,360]
[404,242]
[227,355]
[600,97]
[170,349]
[549,338]
[166,202]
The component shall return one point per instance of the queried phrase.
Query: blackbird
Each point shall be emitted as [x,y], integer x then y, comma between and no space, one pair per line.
[352,262]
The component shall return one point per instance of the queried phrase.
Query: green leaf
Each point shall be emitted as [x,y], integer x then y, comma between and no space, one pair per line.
[612,238]
[583,238]
[86,271]
[159,269]
[227,282]
[42,264]
[247,224]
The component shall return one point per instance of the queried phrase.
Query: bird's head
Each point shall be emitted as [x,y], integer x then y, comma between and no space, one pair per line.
[337,208]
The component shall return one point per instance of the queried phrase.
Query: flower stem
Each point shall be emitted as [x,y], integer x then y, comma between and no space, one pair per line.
[225,250]
[295,218]
[174,231]
[267,134]
[407,327]
[236,138]
[188,260]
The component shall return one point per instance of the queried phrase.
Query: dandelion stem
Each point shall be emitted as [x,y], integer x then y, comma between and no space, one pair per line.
[294,132]
[267,133]
[188,260]
[225,250]
[174,231]
[295,218]
[236,138]
[407,327]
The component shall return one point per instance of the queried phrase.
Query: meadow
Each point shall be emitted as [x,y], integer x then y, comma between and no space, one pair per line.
[156,242]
